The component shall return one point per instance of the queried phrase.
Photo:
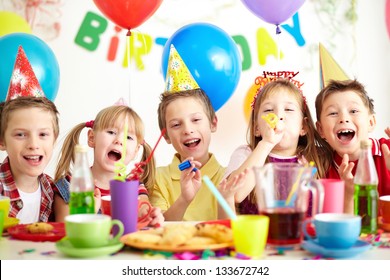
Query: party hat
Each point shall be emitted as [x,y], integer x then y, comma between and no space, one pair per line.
[121,102]
[178,76]
[23,80]
[329,68]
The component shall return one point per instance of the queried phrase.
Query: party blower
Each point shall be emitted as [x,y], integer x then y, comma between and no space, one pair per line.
[124,190]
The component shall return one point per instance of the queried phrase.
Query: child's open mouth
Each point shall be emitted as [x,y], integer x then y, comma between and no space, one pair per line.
[192,143]
[114,155]
[345,135]
[33,158]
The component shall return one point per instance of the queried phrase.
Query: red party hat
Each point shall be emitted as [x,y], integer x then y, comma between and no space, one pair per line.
[23,80]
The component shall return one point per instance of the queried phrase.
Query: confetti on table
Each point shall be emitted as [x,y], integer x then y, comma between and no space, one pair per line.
[48,253]
[26,251]
[186,256]
[239,256]
[207,254]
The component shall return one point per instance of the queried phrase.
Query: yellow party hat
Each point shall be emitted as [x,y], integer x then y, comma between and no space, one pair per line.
[178,76]
[329,68]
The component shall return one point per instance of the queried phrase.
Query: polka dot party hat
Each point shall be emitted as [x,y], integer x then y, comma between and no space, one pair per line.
[23,80]
[178,76]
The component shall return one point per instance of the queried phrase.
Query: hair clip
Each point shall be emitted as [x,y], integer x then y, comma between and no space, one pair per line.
[90,124]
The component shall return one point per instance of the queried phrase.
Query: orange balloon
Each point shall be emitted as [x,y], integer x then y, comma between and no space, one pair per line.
[250,95]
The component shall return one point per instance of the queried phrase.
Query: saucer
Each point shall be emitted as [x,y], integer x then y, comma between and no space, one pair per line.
[65,247]
[10,222]
[383,225]
[315,248]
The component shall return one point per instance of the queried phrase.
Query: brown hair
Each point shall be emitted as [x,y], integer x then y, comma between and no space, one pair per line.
[27,102]
[342,86]
[107,118]
[310,145]
[168,97]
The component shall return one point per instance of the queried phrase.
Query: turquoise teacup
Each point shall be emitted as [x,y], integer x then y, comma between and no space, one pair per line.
[335,230]
[91,230]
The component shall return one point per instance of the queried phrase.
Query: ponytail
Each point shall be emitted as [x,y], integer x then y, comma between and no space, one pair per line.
[67,152]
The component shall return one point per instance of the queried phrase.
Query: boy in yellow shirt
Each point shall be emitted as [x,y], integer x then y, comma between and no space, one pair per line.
[186,113]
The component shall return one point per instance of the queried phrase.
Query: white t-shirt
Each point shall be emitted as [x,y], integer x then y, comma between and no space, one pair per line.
[31,206]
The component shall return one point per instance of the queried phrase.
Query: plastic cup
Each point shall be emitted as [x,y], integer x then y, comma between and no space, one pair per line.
[250,234]
[333,195]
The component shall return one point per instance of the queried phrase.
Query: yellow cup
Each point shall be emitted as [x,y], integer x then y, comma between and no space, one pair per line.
[250,234]
[5,204]
[4,209]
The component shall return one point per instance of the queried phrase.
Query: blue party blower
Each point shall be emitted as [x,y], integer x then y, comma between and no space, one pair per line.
[186,164]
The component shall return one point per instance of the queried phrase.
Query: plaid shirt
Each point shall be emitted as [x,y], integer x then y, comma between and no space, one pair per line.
[8,188]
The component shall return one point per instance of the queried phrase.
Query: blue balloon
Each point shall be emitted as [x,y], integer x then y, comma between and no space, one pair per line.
[40,56]
[211,56]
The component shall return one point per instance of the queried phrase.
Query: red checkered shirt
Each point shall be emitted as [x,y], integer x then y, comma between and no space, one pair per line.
[8,188]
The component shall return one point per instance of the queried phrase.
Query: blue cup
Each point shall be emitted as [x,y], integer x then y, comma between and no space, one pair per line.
[334,230]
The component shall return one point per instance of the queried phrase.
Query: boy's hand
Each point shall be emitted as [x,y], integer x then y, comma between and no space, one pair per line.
[190,181]
[345,169]
[345,173]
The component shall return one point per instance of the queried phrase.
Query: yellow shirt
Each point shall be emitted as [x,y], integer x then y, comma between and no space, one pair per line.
[167,190]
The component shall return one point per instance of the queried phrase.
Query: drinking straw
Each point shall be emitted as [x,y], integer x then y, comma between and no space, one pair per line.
[137,171]
[295,185]
[120,170]
[219,198]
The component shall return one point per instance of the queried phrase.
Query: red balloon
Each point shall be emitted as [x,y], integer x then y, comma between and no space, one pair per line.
[128,14]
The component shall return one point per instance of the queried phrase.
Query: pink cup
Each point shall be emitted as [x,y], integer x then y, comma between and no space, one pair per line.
[333,195]
[384,208]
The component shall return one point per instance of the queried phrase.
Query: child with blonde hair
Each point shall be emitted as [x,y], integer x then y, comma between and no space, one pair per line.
[105,136]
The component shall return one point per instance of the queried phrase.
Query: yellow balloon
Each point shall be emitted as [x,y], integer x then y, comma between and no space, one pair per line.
[12,23]
[250,95]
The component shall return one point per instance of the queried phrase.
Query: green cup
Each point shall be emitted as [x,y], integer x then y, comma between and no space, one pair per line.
[91,230]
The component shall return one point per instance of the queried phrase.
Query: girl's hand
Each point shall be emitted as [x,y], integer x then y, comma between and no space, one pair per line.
[98,199]
[157,218]
[228,188]
[273,135]
[190,181]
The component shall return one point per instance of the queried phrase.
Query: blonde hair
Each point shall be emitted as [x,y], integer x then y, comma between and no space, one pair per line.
[27,102]
[107,118]
[311,146]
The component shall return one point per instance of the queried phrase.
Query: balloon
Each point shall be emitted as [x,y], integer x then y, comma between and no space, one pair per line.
[40,56]
[128,14]
[273,11]
[211,56]
[249,97]
[11,22]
